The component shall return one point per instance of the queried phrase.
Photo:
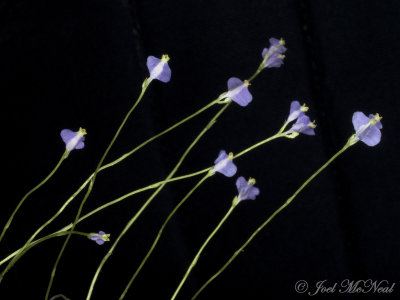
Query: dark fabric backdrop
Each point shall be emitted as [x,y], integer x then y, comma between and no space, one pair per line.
[66,64]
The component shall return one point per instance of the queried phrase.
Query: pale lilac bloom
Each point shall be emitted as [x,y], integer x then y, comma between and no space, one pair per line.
[159,68]
[246,189]
[367,128]
[100,237]
[224,164]
[303,125]
[238,91]
[274,53]
[296,111]
[73,140]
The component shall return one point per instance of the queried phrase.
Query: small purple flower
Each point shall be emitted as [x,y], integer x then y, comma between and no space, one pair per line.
[100,237]
[73,140]
[303,125]
[238,91]
[159,68]
[296,111]
[367,128]
[274,54]
[246,189]
[224,164]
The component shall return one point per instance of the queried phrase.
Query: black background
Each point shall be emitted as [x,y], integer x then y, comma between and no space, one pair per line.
[66,64]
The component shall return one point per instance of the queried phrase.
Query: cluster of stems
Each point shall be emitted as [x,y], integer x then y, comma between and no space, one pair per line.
[69,230]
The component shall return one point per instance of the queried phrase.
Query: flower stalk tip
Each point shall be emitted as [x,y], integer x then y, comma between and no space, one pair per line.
[224,164]
[100,237]
[73,140]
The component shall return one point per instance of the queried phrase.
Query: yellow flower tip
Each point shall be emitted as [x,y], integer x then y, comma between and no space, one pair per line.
[82,131]
[304,108]
[230,156]
[252,181]
[377,118]
[282,42]
[281,56]
[165,58]
[312,124]
[106,237]
[246,83]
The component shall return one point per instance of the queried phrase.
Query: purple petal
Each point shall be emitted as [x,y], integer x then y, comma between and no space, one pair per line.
[274,61]
[238,91]
[371,136]
[253,193]
[222,155]
[359,119]
[158,69]
[165,74]
[307,130]
[233,83]
[152,62]
[274,42]
[67,135]
[241,183]
[101,233]
[81,144]
[294,106]
[229,169]
[94,237]
[100,242]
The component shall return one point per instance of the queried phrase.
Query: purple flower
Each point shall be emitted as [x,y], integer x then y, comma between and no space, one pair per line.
[73,140]
[100,237]
[303,125]
[224,164]
[367,128]
[296,111]
[273,55]
[159,68]
[246,189]
[238,91]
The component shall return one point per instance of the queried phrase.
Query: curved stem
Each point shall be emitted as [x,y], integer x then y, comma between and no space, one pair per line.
[121,158]
[196,258]
[284,205]
[63,157]
[155,185]
[144,88]
[153,246]
[18,254]
[136,216]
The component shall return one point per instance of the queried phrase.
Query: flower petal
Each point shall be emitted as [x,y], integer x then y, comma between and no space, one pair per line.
[229,169]
[371,136]
[67,135]
[359,119]
[222,155]
[241,183]
[152,62]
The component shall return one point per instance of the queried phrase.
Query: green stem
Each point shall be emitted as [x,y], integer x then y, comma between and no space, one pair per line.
[70,199]
[196,258]
[287,202]
[63,157]
[18,254]
[56,234]
[155,185]
[258,144]
[144,88]
[161,231]
[136,216]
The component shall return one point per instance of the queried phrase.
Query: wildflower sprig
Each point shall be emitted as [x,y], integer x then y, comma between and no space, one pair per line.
[367,130]
[246,191]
